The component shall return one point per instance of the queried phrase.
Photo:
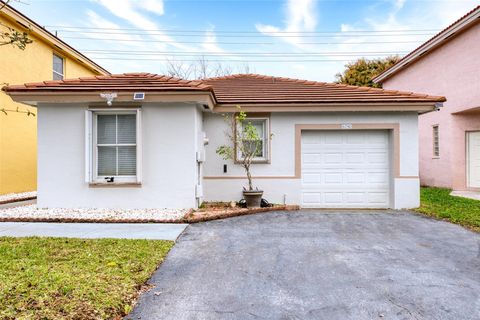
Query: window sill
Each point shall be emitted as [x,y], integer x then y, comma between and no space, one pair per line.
[115,184]
[254,162]
[435,158]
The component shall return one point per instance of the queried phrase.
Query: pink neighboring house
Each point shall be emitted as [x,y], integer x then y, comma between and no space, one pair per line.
[446,65]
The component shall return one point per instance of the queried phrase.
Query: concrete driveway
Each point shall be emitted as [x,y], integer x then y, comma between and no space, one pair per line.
[319,265]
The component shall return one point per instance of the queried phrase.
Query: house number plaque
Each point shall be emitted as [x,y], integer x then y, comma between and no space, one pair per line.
[346,126]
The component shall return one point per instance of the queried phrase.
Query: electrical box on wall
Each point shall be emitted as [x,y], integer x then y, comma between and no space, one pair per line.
[198,191]
[201,156]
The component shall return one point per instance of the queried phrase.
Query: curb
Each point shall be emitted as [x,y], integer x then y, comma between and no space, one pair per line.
[17,200]
[82,220]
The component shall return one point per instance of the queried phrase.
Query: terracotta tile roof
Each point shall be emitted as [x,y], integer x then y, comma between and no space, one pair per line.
[114,82]
[436,38]
[235,89]
[254,88]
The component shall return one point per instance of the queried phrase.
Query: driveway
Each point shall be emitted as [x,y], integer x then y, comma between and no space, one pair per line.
[319,265]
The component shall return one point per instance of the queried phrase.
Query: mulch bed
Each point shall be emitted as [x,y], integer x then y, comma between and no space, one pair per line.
[215,213]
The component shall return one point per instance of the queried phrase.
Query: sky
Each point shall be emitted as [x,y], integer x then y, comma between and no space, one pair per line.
[305,39]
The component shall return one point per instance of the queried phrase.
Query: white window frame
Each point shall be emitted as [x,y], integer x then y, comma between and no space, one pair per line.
[436,140]
[266,141]
[63,66]
[91,167]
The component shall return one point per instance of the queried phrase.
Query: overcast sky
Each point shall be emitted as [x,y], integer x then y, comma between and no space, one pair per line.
[308,39]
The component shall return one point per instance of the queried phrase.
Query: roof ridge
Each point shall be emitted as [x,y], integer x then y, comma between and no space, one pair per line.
[436,36]
[122,80]
[316,83]
[327,85]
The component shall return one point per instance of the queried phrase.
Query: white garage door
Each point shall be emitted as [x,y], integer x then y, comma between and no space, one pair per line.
[345,169]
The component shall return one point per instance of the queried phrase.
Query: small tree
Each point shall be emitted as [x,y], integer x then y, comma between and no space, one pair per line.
[362,71]
[244,142]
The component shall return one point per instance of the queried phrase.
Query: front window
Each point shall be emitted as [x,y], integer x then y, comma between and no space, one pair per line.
[58,64]
[261,127]
[115,147]
[436,141]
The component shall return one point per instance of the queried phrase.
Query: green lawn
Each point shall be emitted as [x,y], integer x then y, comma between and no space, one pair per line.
[438,203]
[59,278]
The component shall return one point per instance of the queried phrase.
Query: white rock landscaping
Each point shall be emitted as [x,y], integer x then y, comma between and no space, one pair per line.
[10,197]
[31,212]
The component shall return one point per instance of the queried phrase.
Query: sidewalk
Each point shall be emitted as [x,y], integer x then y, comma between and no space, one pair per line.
[475,195]
[151,231]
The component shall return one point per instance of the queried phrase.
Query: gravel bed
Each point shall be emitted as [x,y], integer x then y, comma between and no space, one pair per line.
[34,213]
[17,196]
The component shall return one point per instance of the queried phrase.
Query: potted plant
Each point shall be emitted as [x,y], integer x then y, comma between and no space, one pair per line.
[245,146]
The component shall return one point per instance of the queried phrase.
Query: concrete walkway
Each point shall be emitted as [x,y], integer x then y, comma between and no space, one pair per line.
[151,231]
[475,195]
[17,204]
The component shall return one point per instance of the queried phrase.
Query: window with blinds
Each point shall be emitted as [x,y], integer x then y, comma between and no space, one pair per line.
[261,126]
[436,141]
[116,145]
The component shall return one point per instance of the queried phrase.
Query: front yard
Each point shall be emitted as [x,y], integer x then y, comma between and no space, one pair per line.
[438,203]
[59,278]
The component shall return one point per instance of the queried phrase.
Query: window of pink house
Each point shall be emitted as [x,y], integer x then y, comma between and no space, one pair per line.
[436,141]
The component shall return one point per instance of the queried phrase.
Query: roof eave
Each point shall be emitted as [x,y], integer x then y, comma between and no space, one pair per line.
[34,98]
[47,36]
[430,45]
[412,106]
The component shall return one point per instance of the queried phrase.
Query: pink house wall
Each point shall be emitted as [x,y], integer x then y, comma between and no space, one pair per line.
[453,71]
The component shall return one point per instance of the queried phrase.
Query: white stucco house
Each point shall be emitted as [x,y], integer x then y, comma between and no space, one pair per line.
[148,141]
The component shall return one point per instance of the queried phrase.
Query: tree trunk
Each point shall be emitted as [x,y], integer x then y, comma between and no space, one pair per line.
[249,177]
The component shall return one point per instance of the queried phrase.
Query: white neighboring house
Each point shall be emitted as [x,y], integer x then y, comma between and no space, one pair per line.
[141,140]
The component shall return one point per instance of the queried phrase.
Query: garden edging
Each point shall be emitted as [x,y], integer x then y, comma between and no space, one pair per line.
[191,216]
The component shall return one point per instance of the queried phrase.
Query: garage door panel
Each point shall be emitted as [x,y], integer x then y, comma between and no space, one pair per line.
[354,157]
[333,197]
[332,157]
[378,197]
[309,158]
[378,157]
[378,177]
[355,177]
[348,169]
[312,178]
[339,199]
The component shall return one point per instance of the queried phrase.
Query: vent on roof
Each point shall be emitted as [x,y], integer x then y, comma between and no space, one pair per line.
[139,96]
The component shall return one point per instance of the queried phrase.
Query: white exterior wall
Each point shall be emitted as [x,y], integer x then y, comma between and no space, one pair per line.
[169,146]
[405,191]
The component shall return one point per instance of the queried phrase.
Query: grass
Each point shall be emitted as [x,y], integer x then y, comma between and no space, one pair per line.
[59,278]
[438,203]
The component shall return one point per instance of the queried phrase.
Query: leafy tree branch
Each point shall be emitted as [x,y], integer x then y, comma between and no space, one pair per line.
[362,71]
[11,36]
